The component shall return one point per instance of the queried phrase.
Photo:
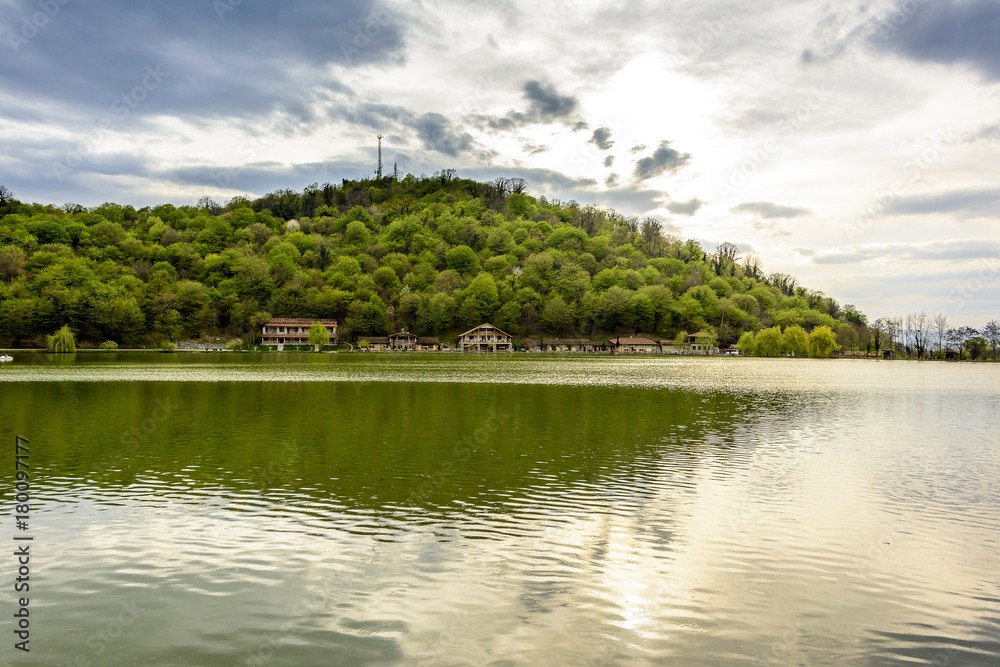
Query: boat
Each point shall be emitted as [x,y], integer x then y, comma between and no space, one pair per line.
[6,357]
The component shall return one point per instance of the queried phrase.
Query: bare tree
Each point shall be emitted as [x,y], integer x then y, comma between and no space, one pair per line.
[725,258]
[991,332]
[941,327]
[752,266]
[918,324]
[652,232]
[878,330]
[893,326]
[5,195]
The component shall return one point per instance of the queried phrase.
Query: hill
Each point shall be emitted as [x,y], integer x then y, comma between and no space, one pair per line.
[429,254]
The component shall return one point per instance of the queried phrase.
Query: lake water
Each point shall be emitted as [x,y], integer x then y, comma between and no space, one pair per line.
[296,509]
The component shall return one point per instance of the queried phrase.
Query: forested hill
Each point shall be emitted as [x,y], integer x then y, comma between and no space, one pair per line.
[433,255]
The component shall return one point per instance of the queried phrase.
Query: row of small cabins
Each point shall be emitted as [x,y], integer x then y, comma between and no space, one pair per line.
[485,338]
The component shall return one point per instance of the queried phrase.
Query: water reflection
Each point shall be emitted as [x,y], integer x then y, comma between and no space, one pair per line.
[600,512]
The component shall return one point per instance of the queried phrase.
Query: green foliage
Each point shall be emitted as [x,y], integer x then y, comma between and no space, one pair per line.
[768,342]
[822,342]
[318,335]
[463,259]
[62,341]
[431,254]
[795,340]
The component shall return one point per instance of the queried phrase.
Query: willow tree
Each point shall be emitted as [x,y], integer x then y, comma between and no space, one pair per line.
[318,335]
[62,340]
[822,342]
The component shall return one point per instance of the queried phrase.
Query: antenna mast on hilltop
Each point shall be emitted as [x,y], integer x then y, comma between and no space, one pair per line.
[379,157]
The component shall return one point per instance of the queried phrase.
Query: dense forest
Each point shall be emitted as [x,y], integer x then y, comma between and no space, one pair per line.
[433,255]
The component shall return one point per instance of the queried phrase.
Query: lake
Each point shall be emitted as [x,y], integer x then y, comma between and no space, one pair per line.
[366,509]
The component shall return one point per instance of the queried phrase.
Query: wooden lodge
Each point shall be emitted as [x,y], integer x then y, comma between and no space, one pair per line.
[560,345]
[635,346]
[403,340]
[293,330]
[374,343]
[485,338]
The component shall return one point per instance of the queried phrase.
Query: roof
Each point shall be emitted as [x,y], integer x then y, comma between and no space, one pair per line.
[298,322]
[635,341]
[406,334]
[483,326]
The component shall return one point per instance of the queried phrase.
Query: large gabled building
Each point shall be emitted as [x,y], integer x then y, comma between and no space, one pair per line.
[293,330]
[485,338]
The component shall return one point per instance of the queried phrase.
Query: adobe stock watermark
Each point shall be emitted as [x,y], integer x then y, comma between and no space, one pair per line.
[104,638]
[248,151]
[464,449]
[757,157]
[368,29]
[708,33]
[35,23]
[223,7]
[303,610]
[900,16]
[121,108]
[131,441]
[988,271]
[938,144]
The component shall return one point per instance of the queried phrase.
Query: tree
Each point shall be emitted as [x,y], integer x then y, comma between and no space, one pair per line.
[976,346]
[746,342]
[5,195]
[462,259]
[318,335]
[879,332]
[795,340]
[966,336]
[941,327]
[991,332]
[62,341]
[12,261]
[822,342]
[917,325]
[652,232]
[768,343]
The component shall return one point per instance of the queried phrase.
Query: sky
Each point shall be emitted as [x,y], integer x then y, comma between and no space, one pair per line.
[850,144]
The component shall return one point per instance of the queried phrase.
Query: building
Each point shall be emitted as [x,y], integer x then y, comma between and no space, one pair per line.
[374,343]
[635,346]
[696,347]
[485,338]
[403,340]
[293,331]
[569,345]
[428,343]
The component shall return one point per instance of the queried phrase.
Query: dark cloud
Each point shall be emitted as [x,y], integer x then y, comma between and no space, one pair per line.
[987,133]
[437,133]
[688,208]
[609,160]
[638,149]
[222,59]
[546,103]
[951,32]
[535,149]
[611,181]
[940,251]
[984,202]
[663,160]
[602,139]
[768,210]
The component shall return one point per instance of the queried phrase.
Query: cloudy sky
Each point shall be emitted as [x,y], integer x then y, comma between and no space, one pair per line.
[851,144]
